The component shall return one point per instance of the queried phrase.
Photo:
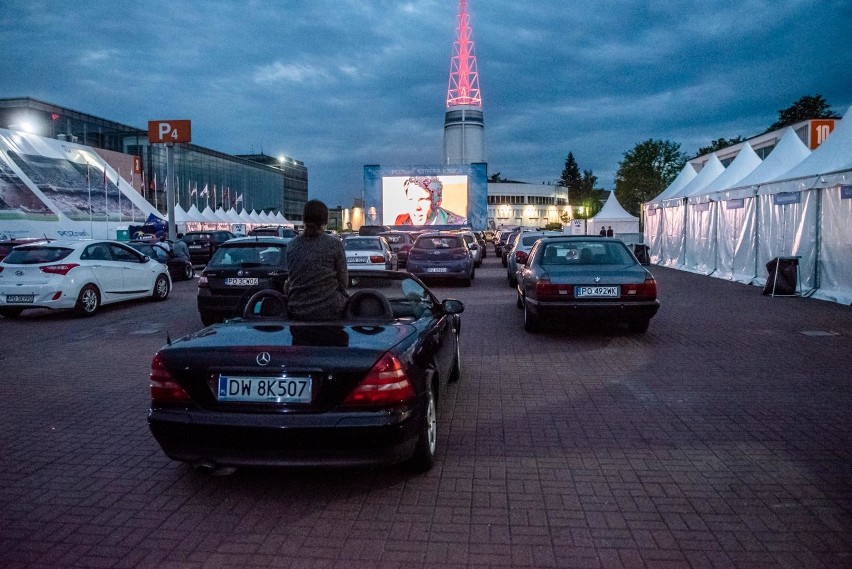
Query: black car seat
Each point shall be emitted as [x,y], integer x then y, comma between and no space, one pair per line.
[368,305]
[586,256]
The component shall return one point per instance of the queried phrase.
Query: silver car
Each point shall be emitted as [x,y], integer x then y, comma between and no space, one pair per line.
[521,250]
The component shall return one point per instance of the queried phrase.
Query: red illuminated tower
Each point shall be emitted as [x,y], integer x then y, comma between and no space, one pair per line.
[464,129]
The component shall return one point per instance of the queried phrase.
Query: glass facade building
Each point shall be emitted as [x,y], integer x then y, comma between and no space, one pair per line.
[254,182]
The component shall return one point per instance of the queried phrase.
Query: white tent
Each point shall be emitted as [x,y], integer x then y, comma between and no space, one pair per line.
[245,217]
[255,217]
[737,214]
[209,216]
[193,214]
[221,216]
[233,216]
[702,214]
[180,214]
[675,212]
[654,215]
[805,212]
[615,216]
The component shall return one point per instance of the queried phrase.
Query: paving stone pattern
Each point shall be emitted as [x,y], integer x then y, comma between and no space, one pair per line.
[720,438]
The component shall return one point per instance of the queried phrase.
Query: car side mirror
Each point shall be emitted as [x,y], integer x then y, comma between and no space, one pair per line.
[145,258]
[452,306]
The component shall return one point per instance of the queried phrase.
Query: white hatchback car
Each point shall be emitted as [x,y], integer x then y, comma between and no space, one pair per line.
[369,252]
[78,275]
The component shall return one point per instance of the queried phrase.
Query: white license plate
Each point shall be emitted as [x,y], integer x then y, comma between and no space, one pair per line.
[10,298]
[241,281]
[436,270]
[356,260]
[599,291]
[264,389]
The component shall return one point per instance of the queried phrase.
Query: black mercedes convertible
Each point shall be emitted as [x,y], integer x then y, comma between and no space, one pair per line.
[265,390]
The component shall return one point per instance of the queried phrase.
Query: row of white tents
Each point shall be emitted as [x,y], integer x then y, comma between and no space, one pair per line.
[204,219]
[730,222]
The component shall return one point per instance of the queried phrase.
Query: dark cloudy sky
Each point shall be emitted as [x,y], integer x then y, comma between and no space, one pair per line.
[343,83]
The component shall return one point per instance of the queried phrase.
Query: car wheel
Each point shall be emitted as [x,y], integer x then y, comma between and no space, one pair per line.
[161,288]
[208,319]
[88,301]
[424,453]
[10,311]
[531,322]
[520,301]
[455,373]
[189,272]
[639,326]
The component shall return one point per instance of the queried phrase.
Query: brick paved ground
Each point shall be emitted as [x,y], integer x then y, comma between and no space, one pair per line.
[720,438]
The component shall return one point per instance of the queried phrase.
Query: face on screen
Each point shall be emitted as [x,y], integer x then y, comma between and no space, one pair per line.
[419,204]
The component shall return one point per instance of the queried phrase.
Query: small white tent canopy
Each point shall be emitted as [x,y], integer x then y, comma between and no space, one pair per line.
[736,247]
[193,214]
[209,215]
[180,214]
[256,217]
[244,215]
[702,214]
[654,216]
[221,216]
[675,213]
[233,216]
[686,176]
[615,216]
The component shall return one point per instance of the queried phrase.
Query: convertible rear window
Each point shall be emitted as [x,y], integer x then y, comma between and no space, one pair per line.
[36,255]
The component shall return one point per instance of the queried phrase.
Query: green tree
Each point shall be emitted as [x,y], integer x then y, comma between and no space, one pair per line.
[806,108]
[553,226]
[572,180]
[647,169]
[719,144]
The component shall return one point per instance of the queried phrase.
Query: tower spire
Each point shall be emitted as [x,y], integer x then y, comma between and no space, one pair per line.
[464,79]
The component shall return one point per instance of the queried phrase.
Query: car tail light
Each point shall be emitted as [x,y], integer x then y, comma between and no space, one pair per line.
[62,269]
[385,384]
[459,253]
[1,269]
[414,254]
[647,289]
[377,258]
[202,282]
[546,290]
[404,249]
[521,257]
[164,387]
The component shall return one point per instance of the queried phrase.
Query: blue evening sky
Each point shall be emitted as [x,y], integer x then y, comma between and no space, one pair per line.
[343,83]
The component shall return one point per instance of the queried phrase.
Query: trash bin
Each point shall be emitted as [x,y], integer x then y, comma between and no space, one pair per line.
[783,279]
[122,235]
[641,252]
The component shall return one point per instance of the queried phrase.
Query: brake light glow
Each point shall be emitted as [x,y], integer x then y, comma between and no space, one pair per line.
[647,289]
[377,258]
[521,257]
[385,384]
[459,253]
[545,290]
[62,269]
[164,387]
[202,282]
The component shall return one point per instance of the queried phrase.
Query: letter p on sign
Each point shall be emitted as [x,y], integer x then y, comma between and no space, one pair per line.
[169,131]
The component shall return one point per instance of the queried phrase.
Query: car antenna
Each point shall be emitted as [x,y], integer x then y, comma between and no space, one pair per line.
[168,338]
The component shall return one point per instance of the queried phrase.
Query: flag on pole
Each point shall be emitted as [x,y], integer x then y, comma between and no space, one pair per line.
[118,189]
[239,199]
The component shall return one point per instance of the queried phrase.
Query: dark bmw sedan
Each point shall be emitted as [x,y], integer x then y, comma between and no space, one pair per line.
[239,268]
[179,269]
[264,390]
[441,255]
[582,277]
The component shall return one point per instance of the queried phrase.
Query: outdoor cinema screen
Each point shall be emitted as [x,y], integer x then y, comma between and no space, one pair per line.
[424,200]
